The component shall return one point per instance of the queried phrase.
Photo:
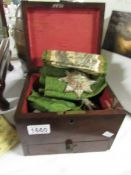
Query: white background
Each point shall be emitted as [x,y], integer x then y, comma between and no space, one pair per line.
[116,161]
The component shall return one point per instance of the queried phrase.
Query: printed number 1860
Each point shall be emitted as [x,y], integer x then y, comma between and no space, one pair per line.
[38,129]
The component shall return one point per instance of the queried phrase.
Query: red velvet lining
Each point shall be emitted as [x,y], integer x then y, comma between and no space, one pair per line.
[62,29]
[106,99]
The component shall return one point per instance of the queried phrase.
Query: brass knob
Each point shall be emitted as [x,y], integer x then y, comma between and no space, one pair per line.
[69,145]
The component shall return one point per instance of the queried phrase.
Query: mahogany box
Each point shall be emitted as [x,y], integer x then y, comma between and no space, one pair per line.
[64,26]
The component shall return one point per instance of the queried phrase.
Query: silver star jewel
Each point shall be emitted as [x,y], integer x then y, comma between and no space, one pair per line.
[77,82]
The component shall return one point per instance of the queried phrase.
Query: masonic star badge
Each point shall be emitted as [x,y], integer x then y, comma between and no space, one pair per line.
[77,82]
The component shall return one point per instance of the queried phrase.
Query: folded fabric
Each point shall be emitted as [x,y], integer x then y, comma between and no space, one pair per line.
[88,63]
[56,89]
[48,70]
[50,104]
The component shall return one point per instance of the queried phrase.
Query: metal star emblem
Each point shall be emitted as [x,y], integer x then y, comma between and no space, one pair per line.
[77,82]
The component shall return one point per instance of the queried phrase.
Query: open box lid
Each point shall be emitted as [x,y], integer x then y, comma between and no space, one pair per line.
[68,26]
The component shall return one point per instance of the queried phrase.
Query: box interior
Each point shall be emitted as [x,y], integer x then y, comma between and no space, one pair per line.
[76,29]
[106,99]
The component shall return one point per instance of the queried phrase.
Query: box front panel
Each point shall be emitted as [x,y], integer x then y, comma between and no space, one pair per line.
[75,128]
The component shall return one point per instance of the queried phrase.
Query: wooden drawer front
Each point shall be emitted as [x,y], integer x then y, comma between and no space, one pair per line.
[76,129]
[62,148]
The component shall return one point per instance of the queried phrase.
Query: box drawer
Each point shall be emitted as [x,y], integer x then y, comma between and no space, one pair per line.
[75,147]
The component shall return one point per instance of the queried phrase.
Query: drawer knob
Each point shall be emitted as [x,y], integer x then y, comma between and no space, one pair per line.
[69,145]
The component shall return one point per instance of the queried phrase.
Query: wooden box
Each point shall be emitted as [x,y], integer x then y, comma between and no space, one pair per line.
[4,57]
[64,26]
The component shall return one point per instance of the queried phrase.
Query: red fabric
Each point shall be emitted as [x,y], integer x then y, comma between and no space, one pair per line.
[62,29]
[106,99]
[32,80]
